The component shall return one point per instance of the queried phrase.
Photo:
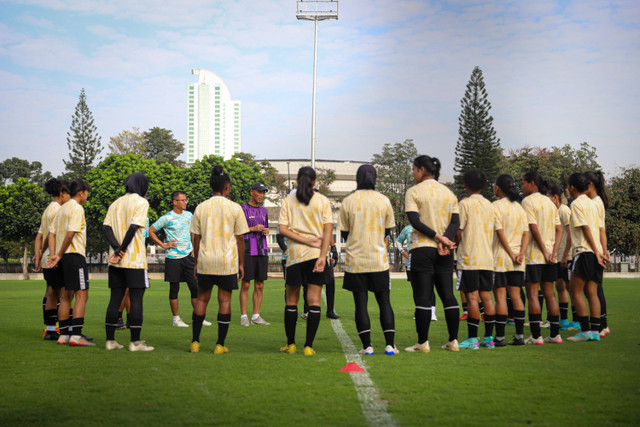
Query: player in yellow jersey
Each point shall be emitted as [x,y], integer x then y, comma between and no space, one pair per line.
[556,194]
[365,216]
[432,210]
[124,228]
[218,227]
[509,244]
[475,258]
[306,221]
[588,259]
[67,243]
[598,194]
[541,255]
[59,190]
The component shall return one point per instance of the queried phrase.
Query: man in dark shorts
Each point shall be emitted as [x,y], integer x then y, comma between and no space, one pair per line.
[256,257]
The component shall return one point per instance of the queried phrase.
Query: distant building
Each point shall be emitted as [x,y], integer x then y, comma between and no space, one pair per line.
[213,123]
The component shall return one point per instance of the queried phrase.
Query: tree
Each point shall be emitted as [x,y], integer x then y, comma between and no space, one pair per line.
[477,146]
[623,216]
[21,207]
[278,189]
[555,164]
[395,176]
[161,146]
[128,142]
[14,168]
[324,179]
[82,140]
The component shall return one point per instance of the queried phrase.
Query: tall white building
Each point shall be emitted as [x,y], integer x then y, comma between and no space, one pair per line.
[213,123]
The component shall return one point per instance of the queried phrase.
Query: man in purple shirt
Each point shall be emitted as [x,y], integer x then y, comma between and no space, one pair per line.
[256,255]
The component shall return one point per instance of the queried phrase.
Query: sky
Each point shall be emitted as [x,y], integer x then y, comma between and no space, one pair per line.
[556,73]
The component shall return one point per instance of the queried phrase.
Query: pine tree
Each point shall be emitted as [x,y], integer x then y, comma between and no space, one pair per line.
[477,147]
[82,140]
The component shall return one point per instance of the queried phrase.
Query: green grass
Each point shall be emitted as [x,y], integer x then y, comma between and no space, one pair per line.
[569,384]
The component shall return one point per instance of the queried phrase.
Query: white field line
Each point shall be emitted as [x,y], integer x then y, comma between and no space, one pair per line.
[373,408]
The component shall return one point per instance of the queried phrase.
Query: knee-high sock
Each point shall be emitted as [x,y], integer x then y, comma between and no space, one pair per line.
[501,324]
[518,317]
[223,327]
[197,326]
[387,319]
[489,322]
[290,319]
[313,321]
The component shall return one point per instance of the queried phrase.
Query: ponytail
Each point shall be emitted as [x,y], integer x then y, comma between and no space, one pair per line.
[219,179]
[431,164]
[507,185]
[579,181]
[304,192]
[597,178]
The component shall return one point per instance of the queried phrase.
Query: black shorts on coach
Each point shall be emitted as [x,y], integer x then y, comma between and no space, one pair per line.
[539,273]
[477,280]
[180,269]
[75,273]
[378,281]
[227,282]
[132,278]
[255,268]
[301,274]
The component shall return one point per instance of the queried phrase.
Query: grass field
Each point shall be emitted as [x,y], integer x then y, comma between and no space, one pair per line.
[569,384]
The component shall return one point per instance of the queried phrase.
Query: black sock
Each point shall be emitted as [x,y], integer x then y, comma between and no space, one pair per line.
[481,308]
[489,321]
[78,323]
[63,325]
[71,313]
[518,317]
[44,310]
[452,316]
[465,307]
[423,322]
[313,321]
[365,337]
[50,317]
[290,319]
[223,327]
[509,307]
[541,302]
[595,324]
[574,314]
[555,325]
[564,310]
[584,323]
[603,307]
[603,321]
[472,327]
[197,326]
[534,324]
[501,324]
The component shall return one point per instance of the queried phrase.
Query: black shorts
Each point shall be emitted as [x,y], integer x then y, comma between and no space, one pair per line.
[540,273]
[179,270]
[409,275]
[255,268]
[132,278]
[508,278]
[54,277]
[75,273]
[585,265]
[476,280]
[377,281]
[301,274]
[228,282]
[563,273]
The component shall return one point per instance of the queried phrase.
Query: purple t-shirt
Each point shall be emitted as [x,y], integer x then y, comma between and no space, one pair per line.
[255,243]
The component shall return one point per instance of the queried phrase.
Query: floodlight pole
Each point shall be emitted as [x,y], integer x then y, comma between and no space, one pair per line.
[313,101]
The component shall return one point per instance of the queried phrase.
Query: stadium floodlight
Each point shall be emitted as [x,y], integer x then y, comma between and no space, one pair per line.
[321,10]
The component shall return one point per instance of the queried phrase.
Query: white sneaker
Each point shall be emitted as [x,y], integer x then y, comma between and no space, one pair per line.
[113,345]
[553,340]
[366,351]
[391,350]
[140,346]
[260,321]
[535,341]
[79,341]
[63,339]
[419,348]
[244,321]
[206,323]
[304,315]
[179,323]
[451,346]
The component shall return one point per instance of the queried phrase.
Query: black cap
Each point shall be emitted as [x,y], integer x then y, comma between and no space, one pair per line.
[258,186]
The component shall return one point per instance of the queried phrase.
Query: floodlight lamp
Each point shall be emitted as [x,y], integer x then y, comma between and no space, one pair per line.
[317,10]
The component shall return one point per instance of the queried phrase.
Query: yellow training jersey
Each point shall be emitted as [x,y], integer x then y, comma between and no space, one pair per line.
[564,212]
[218,221]
[365,214]
[130,209]
[600,208]
[70,217]
[435,204]
[584,212]
[512,220]
[541,211]
[475,251]
[48,216]
[307,221]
